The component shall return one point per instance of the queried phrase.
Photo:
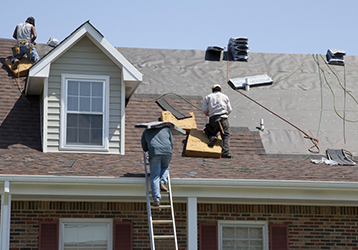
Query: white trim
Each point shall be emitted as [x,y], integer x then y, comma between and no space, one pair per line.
[246,223]
[24,187]
[108,222]
[105,132]
[123,116]
[192,222]
[5,217]
[42,68]
[45,116]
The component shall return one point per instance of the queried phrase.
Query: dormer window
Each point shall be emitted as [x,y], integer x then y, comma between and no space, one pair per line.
[84,112]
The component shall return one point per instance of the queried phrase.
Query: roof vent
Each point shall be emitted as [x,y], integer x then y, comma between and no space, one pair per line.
[335,56]
[239,48]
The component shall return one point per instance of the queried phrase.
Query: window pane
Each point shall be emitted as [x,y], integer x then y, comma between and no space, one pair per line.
[242,233]
[85,89]
[96,121]
[84,121]
[97,104]
[72,103]
[83,136]
[229,232]
[72,120]
[97,89]
[255,233]
[72,135]
[72,88]
[85,104]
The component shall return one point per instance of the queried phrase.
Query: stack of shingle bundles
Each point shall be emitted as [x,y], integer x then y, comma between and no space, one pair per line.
[239,48]
[335,56]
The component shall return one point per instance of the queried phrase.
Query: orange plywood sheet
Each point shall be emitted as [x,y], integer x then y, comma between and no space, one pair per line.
[22,69]
[187,124]
[197,145]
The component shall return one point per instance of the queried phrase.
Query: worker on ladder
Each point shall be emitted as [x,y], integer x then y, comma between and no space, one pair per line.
[25,35]
[158,142]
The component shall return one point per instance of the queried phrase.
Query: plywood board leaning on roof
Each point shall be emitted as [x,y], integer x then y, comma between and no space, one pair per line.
[187,124]
[22,69]
[197,145]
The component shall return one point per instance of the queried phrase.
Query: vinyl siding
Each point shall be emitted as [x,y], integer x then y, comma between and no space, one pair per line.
[84,58]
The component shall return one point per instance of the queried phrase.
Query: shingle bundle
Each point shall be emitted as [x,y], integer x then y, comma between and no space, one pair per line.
[335,56]
[239,48]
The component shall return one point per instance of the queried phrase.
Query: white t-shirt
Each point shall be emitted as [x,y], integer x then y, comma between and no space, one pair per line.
[216,103]
[24,32]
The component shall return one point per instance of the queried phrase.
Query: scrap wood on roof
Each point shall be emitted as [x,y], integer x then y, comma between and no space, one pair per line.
[22,68]
[186,124]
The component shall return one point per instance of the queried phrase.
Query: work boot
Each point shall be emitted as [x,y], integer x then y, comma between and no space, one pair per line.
[226,156]
[16,64]
[163,188]
[156,203]
[212,141]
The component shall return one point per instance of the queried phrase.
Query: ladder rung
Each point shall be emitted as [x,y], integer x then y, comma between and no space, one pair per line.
[160,237]
[161,192]
[161,206]
[162,221]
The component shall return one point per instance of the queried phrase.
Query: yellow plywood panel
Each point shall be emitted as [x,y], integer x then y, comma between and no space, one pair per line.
[197,145]
[187,124]
[22,69]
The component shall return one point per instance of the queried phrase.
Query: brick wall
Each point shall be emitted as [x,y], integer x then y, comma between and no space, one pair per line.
[25,217]
[309,227]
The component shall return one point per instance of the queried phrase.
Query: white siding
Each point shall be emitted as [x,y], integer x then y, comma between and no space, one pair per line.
[84,58]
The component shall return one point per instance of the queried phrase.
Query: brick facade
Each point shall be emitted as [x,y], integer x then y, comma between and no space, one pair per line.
[309,227]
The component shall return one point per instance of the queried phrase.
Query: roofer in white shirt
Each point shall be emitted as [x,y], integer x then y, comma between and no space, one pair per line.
[217,106]
[25,35]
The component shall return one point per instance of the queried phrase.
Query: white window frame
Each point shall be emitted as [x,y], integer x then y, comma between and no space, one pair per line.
[64,221]
[63,130]
[257,224]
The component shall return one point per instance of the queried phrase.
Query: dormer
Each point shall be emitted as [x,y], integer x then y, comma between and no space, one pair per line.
[83,84]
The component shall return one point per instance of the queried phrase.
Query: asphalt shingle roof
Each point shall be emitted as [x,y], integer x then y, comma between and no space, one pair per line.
[21,154]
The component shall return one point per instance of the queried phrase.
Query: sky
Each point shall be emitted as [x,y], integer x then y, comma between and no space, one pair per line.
[271,26]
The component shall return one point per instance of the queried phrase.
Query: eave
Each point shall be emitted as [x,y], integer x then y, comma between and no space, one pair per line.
[113,189]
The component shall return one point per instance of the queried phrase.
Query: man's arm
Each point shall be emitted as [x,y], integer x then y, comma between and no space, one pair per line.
[34,34]
[205,107]
[15,33]
[144,143]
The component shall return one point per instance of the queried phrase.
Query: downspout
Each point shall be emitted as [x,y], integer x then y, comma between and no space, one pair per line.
[5,217]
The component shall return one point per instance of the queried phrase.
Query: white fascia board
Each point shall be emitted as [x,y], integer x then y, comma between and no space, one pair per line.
[130,73]
[55,53]
[205,190]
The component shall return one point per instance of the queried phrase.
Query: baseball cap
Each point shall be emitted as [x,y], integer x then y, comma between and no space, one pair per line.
[216,86]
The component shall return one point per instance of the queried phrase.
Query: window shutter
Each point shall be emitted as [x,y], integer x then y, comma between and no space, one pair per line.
[208,236]
[122,236]
[48,235]
[279,237]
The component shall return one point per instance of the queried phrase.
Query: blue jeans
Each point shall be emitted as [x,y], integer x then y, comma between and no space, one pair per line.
[30,51]
[159,170]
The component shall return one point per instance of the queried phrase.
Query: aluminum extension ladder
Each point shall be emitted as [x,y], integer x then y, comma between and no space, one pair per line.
[153,222]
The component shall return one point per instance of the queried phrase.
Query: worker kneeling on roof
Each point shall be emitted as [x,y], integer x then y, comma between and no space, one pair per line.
[217,106]
[159,144]
[25,34]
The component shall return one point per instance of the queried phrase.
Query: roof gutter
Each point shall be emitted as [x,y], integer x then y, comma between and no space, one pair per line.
[205,190]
